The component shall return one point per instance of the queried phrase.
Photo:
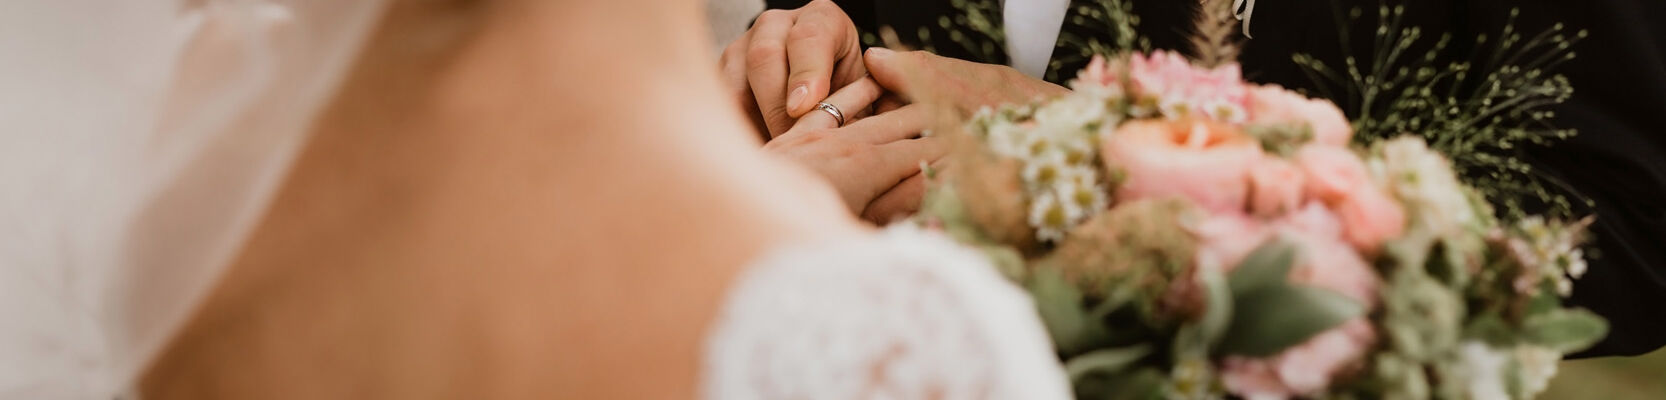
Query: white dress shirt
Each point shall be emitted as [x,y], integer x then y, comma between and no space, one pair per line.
[1032,29]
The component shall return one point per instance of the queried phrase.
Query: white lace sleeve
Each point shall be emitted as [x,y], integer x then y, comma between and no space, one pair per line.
[902,315]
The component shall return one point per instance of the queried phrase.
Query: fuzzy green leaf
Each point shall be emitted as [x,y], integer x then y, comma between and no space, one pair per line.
[1273,318]
[1218,316]
[1059,304]
[1268,265]
[1105,361]
[1565,330]
[1491,328]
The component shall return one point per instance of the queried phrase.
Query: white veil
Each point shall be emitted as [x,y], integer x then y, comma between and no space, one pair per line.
[140,140]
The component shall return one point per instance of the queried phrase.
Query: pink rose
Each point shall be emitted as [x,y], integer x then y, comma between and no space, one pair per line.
[1276,187]
[1204,162]
[1313,219]
[1325,262]
[1333,173]
[1183,90]
[1275,105]
[1369,215]
[1371,218]
[1098,73]
[1306,369]
[1228,238]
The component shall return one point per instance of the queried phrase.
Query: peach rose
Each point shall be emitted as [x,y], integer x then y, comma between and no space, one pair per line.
[1333,173]
[1370,218]
[1204,162]
[1312,219]
[1275,105]
[1369,215]
[1276,187]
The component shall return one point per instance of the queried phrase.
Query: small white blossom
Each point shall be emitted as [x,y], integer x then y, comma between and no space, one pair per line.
[1225,111]
[1436,201]
[1044,169]
[1071,112]
[1538,365]
[1482,370]
[1047,216]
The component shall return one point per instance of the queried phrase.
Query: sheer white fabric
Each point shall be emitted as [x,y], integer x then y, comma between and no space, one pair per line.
[139,141]
[901,315]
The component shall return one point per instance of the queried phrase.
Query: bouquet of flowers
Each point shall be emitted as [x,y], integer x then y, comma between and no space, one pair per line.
[1186,234]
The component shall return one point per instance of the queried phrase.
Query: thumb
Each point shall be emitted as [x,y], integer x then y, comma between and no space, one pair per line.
[816,46]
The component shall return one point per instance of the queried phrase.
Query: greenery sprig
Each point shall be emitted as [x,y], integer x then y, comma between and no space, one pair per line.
[1480,112]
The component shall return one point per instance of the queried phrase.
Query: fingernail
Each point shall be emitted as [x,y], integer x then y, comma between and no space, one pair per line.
[879,52]
[795,99]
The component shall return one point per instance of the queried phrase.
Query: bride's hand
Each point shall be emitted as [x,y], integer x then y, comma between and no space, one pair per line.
[873,162]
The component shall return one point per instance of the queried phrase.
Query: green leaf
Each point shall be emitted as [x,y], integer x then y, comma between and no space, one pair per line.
[1268,265]
[1565,330]
[1218,300]
[942,202]
[1491,328]
[1117,295]
[1060,305]
[1270,319]
[1105,361]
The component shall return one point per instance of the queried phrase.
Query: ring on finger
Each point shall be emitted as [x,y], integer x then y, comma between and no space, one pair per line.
[834,111]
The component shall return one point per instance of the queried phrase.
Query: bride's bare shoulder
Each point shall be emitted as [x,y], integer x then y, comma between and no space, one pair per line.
[462,203]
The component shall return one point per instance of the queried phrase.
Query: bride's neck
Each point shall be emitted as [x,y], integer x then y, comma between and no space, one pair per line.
[646,59]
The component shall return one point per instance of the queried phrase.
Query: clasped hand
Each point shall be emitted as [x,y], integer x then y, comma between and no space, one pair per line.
[790,60]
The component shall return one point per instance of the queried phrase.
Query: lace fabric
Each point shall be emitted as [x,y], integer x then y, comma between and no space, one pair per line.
[901,315]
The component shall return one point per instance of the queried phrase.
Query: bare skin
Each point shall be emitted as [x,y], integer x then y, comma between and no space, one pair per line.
[482,214]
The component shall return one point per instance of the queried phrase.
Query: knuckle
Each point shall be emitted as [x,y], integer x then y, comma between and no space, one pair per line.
[917,56]
[808,31]
[762,54]
[772,15]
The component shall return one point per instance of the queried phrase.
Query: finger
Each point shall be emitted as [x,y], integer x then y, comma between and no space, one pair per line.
[860,114]
[897,71]
[820,38]
[900,124]
[850,100]
[766,68]
[733,66]
[901,159]
[888,103]
[900,202]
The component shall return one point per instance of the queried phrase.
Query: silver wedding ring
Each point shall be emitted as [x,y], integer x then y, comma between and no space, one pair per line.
[832,110]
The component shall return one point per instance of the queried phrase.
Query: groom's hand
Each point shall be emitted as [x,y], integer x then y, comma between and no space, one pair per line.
[790,60]
[921,77]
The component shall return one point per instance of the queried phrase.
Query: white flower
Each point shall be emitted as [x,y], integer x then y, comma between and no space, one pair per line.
[1537,366]
[1044,169]
[1436,201]
[1047,216]
[1071,112]
[1482,368]
[1225,111]
[1576,263]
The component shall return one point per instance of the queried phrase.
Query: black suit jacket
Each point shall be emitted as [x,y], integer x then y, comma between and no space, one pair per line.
[1618,160]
